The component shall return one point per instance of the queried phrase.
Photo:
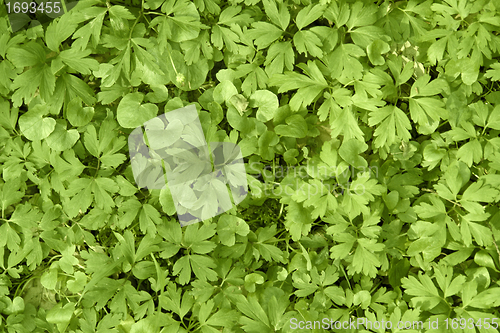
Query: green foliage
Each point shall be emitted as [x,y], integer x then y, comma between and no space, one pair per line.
[370,134]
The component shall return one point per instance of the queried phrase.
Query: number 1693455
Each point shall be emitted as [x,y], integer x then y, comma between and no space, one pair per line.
[33,7]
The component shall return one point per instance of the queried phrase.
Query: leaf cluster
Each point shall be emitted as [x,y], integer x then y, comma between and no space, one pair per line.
[370,133]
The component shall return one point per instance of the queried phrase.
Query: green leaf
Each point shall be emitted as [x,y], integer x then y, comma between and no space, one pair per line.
[145,325]
[309,87]
[478,191]
[149,217]
[486,299]
[470,152]
[76,87]
[81,196]
[256,319]
[362,15]
[317,195]
[344,62]
[251,280]
[483,258]
[229,16]
[494,73]
[30,54]
[49,279]
[266,142]
[392,123]
[470,228]
[132,113]
[308,15]
[185,77]
[95,219]
[444,275]
[78,115]
[93,28]
[296,127]
[279,56]
[267,104]
[427,112]
[422,87]
[59,30]
[34,125]
[239,102]
[38,77]
[61,139]
[77,60]
[342,120]
[150,71]
[196,238]
[166,201]
[102,188]
[18,21]
[281,18]
[224,91]
[264,34]
[364,258]
[368,36]
[118,16]
[361,191]
[424,290]
[436,50]
[159,94]
[203,267]
[127,245]
[228,226]
[494,118]
[350,151]
[308,43]
[61,316]
[184,24]
[68,260]
[466,67]
[223,317]
[375,51]
[78,283]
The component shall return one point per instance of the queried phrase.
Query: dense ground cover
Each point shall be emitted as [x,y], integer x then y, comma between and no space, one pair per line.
[370,134]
